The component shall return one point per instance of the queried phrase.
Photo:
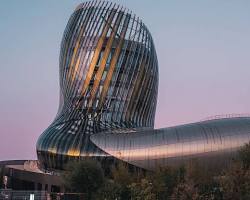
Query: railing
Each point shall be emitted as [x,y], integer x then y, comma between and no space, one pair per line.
[233,115]
[22,195]
[7,194]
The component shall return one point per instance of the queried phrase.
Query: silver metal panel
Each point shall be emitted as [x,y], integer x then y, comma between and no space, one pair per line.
[150,149]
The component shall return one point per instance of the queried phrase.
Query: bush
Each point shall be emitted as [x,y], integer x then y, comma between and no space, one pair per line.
[84,177]
[194,181]
[235,181]
[244,156]
[142,190]
[1,177]
[109,191]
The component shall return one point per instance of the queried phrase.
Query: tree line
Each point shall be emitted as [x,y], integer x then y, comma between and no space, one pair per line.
[191,181]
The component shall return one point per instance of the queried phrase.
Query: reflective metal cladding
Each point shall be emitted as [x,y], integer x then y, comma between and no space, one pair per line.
[108,81]
[211,141]
[108,95]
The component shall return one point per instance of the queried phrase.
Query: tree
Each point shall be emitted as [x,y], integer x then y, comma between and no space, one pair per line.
[121,174]
[235,182]
[164,181]
[84,177]
[244,156]
[142,190]
[1,177]
[109,191]
[203,178]
[185,191]
[122,179]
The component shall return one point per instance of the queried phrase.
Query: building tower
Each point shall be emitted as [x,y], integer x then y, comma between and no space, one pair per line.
[108,82]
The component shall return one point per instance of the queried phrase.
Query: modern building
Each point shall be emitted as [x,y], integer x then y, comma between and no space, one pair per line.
[108,83]
[108,94]
[108,88]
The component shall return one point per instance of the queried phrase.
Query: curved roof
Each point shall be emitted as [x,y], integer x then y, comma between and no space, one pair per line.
[149,148]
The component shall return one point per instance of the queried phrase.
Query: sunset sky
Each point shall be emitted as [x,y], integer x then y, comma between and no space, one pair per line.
[203,53]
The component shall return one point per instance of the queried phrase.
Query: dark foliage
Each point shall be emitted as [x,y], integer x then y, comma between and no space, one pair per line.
[84,177]
[194,181]
[1,177]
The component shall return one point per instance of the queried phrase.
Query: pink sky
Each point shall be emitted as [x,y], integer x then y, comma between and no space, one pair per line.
[203,52]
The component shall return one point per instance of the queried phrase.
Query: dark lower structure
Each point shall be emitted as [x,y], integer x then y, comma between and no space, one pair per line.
[22,179]
[25,175]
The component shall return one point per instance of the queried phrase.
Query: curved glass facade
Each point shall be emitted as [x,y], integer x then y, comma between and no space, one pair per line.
[108,96]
